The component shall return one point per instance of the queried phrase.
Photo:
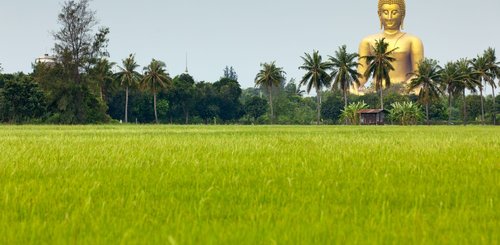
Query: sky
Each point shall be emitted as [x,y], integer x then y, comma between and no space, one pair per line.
[244,34]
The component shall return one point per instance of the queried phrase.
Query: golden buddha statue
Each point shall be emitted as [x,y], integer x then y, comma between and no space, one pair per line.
[409,50]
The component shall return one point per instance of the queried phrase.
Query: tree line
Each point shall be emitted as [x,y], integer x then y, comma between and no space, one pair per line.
[81,87]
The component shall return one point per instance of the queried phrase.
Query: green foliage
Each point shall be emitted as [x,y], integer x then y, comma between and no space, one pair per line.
[21,100]
[473,105]
[163,109]
[207,104]
[182,96]
[293,109]
[351,115]
[228,95]
[405,113]
[331,107]
[68,102]
[438,111]
[141,108]
[255,107]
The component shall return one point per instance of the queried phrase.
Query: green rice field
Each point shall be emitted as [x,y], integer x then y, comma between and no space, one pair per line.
[249,185]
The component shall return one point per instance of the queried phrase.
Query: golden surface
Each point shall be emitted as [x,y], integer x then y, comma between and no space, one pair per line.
[409,49]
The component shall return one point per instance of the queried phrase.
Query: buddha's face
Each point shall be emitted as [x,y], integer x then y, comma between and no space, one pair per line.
[391,17]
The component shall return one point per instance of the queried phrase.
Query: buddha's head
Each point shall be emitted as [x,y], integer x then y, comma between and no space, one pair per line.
[392,14]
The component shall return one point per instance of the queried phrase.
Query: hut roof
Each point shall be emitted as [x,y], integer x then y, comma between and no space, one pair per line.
[371,111]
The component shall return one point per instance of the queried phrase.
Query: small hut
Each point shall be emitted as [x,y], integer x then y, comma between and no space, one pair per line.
[372,116]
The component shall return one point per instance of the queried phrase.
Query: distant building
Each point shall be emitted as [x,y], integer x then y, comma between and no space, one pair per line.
[372,116]
[46,59]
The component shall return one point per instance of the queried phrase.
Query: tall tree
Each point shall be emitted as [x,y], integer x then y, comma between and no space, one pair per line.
[228,96]
[78,46]
[494,71]
[155,78]
[451,79]
[75,40]
[344,74]
[481,73]
[128,77]
[182,94]
[428,78]
[467,83]
[270,76]
[316,76]
[379,66]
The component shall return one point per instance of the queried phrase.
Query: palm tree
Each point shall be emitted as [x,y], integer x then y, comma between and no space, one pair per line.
[427,77]
[103,75]
[481,70]
[344,74]
[451,79]
[155,77]
[379,66]
[467,82]
[128,77]
[316,76]
[494,70]
[270,76]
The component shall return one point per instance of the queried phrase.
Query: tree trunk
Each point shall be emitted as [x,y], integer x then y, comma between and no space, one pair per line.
[449,108]
[345,105]
[154,104]
[382,98]
[427,113]
[345,99]
[465,109]
[494,112]
[482,104]
[126,104]
[187,117]
[271,103]
[318,107]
